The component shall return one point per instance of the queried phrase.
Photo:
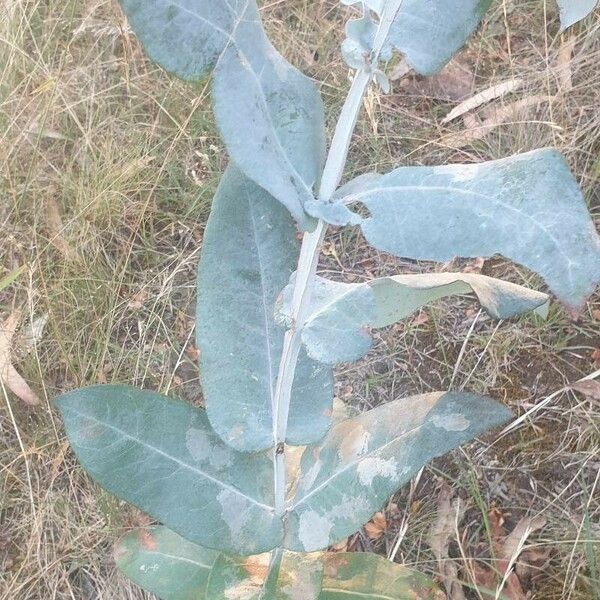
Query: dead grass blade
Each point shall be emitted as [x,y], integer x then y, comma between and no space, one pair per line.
[8,374]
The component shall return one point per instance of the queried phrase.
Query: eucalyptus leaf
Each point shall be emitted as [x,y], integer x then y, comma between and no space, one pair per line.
[271,119]
[363,460]
[428,34]
[165,564]
[162,456]
[270,116]
[527,207]
[291,577]
[337,328]
[572,11]
[366,576]
[249,251]
[186,37]
[172,568]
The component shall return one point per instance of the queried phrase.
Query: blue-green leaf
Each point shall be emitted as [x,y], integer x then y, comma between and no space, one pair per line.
[186,37]
[173,568]
[428,34]
[165,564]
[572,11]
[363,460]
[162,456]
[527,207]
[249,251]
[366,576]
[290,577]
[337,329]
[271,118]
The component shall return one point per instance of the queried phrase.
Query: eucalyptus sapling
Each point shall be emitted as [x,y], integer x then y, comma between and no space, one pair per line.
[252,490]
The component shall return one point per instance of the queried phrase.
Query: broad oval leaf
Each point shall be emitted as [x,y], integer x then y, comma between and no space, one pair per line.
[428,34]
[337,328]
[271,119]
[249,251]
[270,116]
[186,37]
[363,460]
[366,576]
[572,11]
[162,456]
[527,207]
[165,564]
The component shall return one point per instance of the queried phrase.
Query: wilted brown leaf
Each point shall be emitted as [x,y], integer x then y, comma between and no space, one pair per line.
[590,388]
[487,95]
[454,82]
[564,70]
[442,530]
[508,549]
[477,130]
[8,374]
[376,527]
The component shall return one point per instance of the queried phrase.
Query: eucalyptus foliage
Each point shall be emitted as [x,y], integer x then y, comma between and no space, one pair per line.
[253,488]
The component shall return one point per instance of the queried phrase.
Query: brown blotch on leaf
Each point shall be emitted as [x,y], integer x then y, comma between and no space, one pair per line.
[147,540]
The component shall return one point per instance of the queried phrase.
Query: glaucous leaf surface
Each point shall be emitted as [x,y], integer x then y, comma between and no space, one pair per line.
[271,119]
[572,11]
[162,456]
[270,116]
[527,207]
[186,37]
[361,461]
[249,250]
[165,564]
[172,568]
[366,576]
[428,34]
[295,577]
[337,329]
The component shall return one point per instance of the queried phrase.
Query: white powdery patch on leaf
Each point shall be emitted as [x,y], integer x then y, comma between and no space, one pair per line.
[373,466]
[451,422]
[314,529]
[234,512]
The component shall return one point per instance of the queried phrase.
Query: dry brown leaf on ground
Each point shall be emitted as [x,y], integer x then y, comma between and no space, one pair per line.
[454,82]
[442,530]
[589,388]
[507,549]
[376,527]
[55,227]
[564,69]
[8,374]
[477,130]
[487,95]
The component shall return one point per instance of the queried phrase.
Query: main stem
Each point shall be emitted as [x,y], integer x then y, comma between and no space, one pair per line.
[305,276]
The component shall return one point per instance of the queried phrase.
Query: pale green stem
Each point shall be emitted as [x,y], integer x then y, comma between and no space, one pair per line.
[310,250]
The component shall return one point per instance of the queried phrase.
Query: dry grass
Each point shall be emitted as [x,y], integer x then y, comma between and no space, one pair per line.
[107,167]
